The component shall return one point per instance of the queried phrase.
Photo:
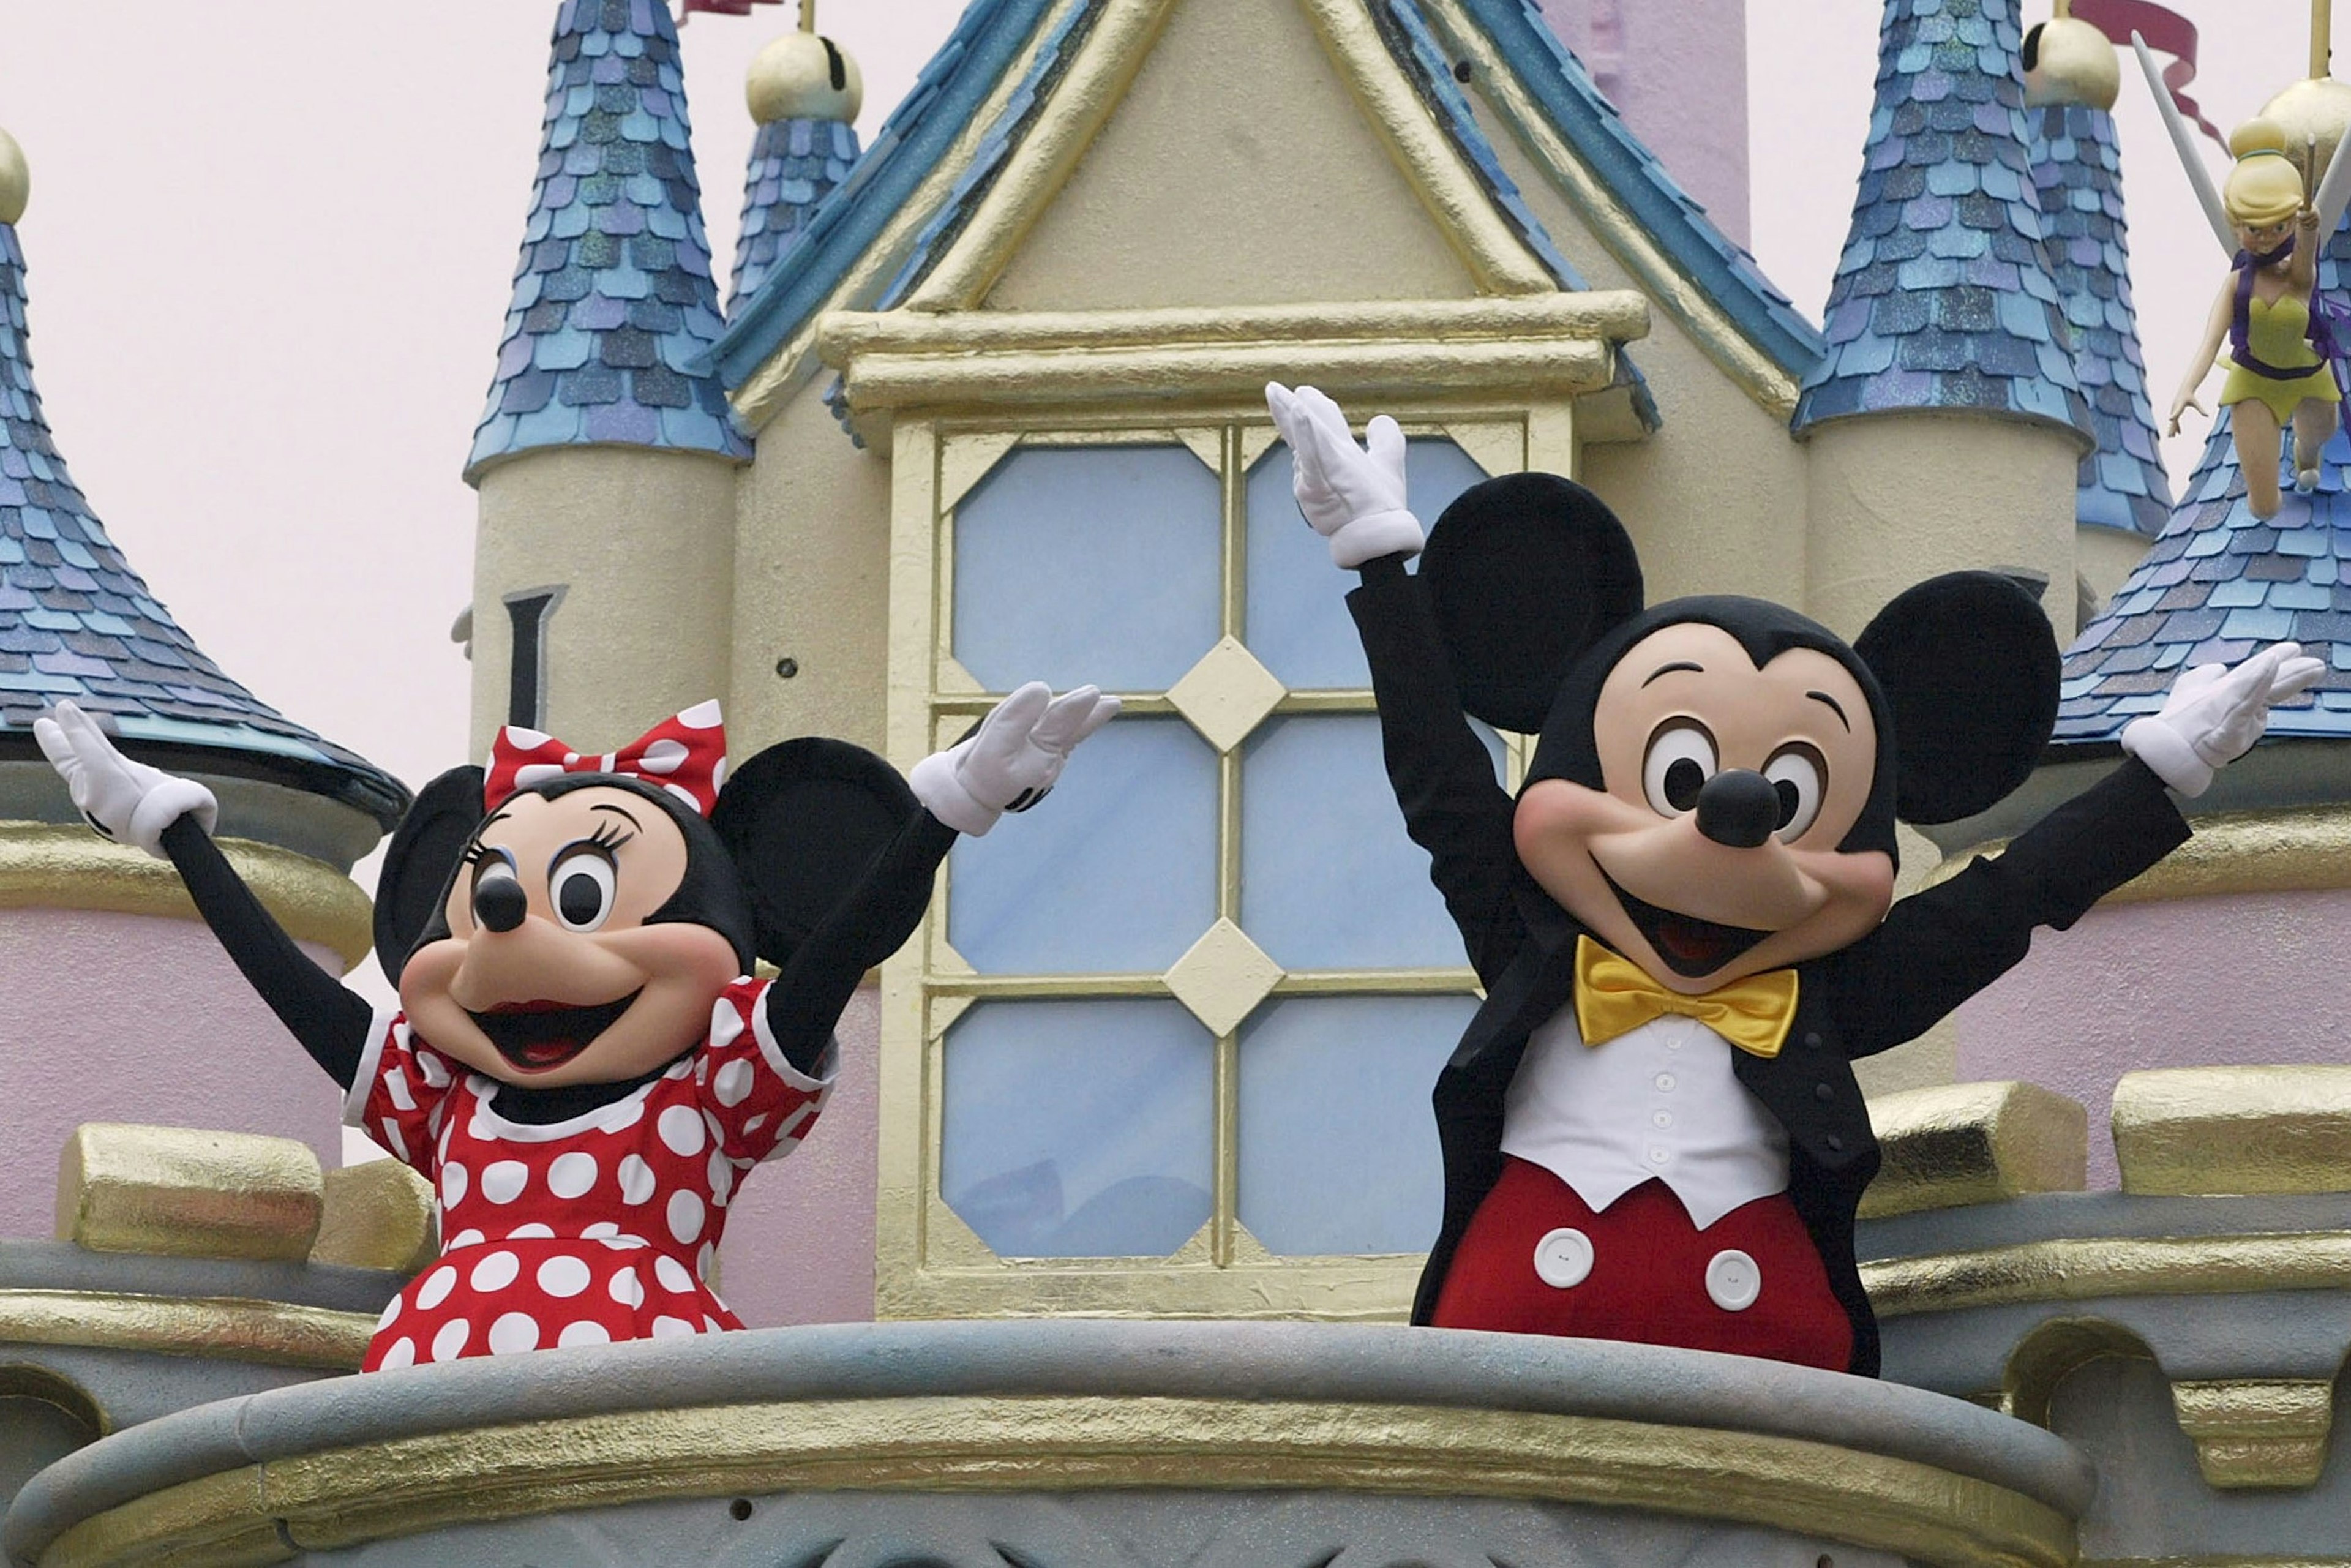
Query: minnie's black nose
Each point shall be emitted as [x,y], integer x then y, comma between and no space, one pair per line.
[499,904]
[1737,807]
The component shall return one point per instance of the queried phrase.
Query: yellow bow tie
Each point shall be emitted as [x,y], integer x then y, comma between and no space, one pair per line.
[1613,996]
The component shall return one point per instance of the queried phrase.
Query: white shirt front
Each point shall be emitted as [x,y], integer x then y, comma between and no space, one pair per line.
[1658,1102]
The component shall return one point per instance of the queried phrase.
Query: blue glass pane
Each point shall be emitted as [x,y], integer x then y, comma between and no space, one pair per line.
[1329,881]
[1296,612]
[1095,563]
[1115,871]
[1080,1129]
[1339,1150]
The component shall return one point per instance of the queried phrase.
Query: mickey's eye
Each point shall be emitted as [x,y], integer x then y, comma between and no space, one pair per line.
[1801,775]
[1681,758]
[579,885]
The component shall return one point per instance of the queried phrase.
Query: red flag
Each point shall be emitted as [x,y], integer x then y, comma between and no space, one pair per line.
[2165,31]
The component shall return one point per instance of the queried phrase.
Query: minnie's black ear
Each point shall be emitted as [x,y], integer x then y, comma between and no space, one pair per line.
[417,867]
[802,820]
[1525,572]
[1968,664]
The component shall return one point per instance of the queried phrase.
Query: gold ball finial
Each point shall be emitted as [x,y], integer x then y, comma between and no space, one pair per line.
[2067,61]
[801,75]
[2318,107]
[15,180]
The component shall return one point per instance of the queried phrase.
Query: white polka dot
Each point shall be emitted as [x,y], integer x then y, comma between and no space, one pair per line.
[672,1275]
[536,773]
[572,1175]
[437,1287]
[691,800]
[718,1132]
[721,1171]
[663,757]
[522,737]
[726,1029]
[504,1180]
[402,1353]
[624,1114]
[624,1243]
[394,1141]
[713,1324]
[513,1332]
[754,1123]
[703,715]
[636,1178]
[627,1288]
[497,1271]
[432,1070]
[680,1129]
[733,1084]
[685,1216]
[450,1342]
[599,1230]
[390,1312]
[455,1179]
[587,1331]
[563,1277]
[703,1260]
[667,1327]
[680,1070]
[533,1232]
[465,1238]
[397,1087]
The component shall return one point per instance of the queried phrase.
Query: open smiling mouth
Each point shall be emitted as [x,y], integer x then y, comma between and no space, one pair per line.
[1689,945]
[538,1037]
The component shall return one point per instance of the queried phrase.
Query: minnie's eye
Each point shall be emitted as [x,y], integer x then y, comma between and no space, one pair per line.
[1681,758]
[579,884]
[1801,775]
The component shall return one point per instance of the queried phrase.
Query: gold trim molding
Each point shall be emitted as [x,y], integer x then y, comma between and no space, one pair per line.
[322,1503]
[180,1192]
[2258,1432]
[223,1328]
[1956,1144]
[53,866]
[2234,1130]
[2086,1268]
[2306,850]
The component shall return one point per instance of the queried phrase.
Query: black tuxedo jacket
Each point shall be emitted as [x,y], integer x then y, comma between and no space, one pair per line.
[1935,949]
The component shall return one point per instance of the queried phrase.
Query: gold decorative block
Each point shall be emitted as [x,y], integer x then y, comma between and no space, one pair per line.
[2226,1130]
[188,1194]
[1958,1144]
[1227,694]
[2258,1432]
[1223,977]
[378,1215]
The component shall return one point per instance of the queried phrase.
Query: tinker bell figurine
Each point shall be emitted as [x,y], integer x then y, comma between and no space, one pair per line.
[2284,356]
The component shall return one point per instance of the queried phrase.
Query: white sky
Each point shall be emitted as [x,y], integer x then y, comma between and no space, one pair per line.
[270,241]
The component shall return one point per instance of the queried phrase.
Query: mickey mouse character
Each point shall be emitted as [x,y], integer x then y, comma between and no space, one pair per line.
[1684,923]
[580,1063]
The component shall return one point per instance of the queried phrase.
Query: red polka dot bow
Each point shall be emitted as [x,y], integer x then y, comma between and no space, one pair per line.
[687,756]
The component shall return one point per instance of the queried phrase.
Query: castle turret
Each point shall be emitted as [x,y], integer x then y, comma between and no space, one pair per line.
[804,92]
[1945,419]
[607,458]
[116,1004]
[2122,496]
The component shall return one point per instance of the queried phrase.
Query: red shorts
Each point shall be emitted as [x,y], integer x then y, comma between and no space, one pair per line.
[1642,1272]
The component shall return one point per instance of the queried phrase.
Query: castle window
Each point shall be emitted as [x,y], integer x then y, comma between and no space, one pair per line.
[527,675]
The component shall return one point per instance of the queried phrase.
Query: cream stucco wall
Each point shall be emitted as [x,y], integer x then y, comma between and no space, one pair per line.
[1236,170]
[643,544]
[2103,556]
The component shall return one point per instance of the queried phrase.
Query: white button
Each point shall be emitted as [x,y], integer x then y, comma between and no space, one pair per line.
[1661,1118]
[1659,1156]
[1563,1258]
[1733,1280]
[1665,1082]
[1674,1044]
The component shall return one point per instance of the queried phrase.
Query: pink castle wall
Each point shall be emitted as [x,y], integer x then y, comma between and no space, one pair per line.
[134,1017]
[1677,73]
[2248,979]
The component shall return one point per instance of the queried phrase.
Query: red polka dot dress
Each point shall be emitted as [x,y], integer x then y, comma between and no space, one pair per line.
[597,1229]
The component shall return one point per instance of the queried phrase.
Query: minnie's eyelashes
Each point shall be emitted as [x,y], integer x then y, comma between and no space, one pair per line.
[610,836]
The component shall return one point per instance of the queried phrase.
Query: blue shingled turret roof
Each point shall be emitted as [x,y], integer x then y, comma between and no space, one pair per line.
[2077,173]
[614,308]
[76,623]
[2220,583]
[794,165]
[1943,299]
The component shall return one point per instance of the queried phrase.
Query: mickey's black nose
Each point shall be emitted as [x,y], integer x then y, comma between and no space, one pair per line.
[499,904]
[1737,807]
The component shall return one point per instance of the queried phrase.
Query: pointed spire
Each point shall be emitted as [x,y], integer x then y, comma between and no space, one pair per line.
[805,92]
[76,623]
[614,306]
[1943,299]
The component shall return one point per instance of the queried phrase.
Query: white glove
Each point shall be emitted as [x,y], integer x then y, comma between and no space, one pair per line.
[1014,759]
[2214,714]
[1355,497]
[125,800]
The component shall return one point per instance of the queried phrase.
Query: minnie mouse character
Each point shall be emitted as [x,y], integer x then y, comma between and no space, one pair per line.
[580,1063]
[1651,1131]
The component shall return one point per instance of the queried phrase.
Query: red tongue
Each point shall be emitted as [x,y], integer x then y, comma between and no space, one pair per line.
[547,1053]
[1687,942]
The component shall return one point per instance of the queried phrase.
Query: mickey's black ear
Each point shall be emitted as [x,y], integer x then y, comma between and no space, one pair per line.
[1968,664]
[802,820]
[1525,572]
[416,868]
